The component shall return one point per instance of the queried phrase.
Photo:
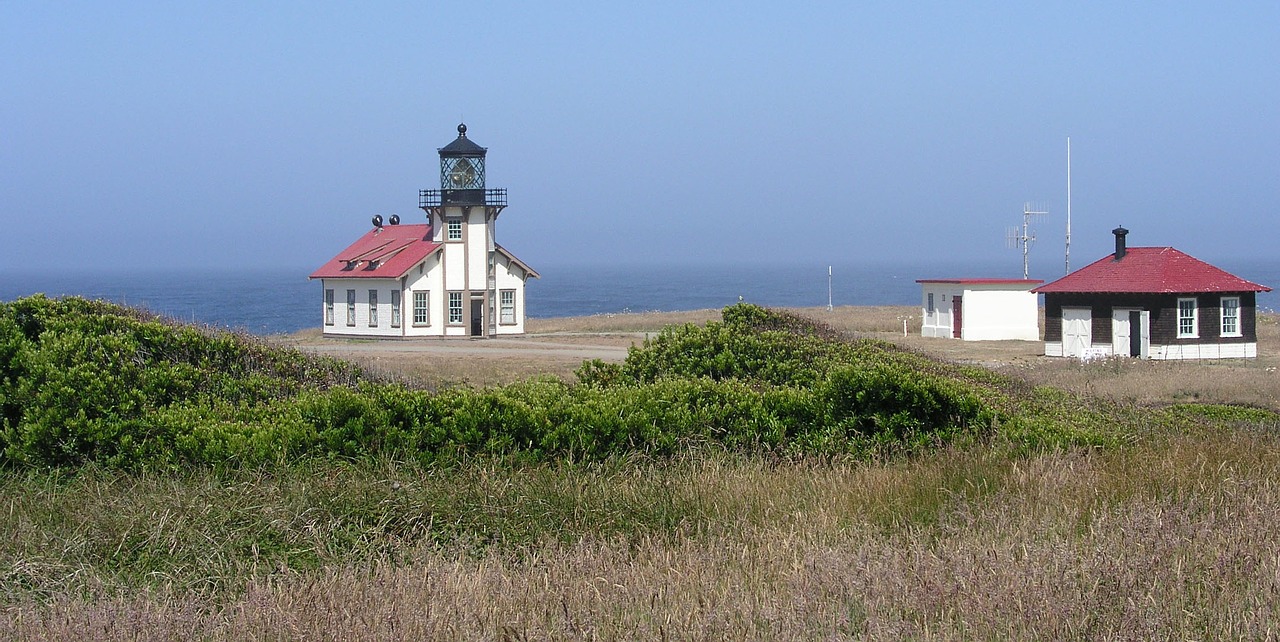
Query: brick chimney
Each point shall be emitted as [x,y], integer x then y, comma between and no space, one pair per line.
[1120,233]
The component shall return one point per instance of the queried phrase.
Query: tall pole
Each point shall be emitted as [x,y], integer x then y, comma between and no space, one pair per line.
[1068,253]
[829,308]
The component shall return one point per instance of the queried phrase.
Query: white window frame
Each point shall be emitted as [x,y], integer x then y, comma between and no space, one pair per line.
[328,306]
[373,308]
[507,307]
[395,308]
[1194,317]
[351,307]
[455,308]
[1232,319]
[453,228]
[422,308]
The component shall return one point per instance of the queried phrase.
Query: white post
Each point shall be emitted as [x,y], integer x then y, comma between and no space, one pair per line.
[829,308]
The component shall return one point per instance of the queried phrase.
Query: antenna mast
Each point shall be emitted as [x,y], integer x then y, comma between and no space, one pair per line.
[1067,257]
[1026,237]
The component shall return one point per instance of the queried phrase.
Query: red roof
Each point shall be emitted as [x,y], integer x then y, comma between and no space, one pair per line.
[1162,270]
[386,252]
[983,281]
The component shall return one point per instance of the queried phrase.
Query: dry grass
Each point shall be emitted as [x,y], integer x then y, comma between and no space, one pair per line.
[471,370]
[1236,381]
[864,318]
[463,362]
[1175,540]
[622,322]
[1254,382]
[479,368]
[1172,538]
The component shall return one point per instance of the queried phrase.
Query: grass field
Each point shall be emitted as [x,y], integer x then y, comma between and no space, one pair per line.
[1174,536]
[1237,381]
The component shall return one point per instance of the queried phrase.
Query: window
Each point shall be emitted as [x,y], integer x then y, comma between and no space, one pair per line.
[351,307]
[453,227]
[507,306]
[395,308]
[455,308]
[328,307]
[1188,319]
[373,308]
[1231,316]
[929,308]
[420,316]
[462,173]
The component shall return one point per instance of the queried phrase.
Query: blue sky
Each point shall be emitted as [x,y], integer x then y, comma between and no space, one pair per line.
[224,134]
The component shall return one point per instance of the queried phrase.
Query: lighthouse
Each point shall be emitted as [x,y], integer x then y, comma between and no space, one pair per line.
[446,277]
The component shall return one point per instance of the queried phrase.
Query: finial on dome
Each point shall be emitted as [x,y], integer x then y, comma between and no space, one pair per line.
[462,130]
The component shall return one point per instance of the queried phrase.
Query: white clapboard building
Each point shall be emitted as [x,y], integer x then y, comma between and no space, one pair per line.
[447,277]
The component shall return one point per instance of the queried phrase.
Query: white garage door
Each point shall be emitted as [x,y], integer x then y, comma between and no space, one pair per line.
[1077,331]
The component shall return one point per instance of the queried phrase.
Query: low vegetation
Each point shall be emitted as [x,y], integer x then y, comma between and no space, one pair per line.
[758,477]
[88,382]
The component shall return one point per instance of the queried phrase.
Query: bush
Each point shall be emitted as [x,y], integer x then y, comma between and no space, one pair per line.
[84,381]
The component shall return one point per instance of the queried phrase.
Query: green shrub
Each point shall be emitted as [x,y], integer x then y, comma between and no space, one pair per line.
[86,381]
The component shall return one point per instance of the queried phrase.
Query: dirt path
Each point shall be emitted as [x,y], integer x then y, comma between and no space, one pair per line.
[476,362]
[530,346]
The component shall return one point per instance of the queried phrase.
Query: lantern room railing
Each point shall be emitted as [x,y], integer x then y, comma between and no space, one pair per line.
[438,197]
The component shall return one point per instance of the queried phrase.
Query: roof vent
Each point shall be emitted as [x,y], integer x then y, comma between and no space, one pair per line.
[1120,233]
[395,219]
[377,220]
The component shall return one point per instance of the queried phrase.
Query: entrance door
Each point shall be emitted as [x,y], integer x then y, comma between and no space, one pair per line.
[477,317]
[1122,334]
[1140,342]
[1135,338]
[957,315]
[1130,332]
[1077,331]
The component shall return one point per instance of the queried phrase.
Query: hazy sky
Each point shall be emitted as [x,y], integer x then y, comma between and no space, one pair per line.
[222,134]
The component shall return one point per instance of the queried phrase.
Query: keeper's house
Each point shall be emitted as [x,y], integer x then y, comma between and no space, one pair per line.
[979,309]
[445,278]
[1151,303]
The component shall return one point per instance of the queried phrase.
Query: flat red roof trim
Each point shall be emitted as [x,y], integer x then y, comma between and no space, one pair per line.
[983,281]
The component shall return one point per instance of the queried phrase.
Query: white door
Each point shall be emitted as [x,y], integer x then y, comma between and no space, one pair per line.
[1121,332]
[1144,334]
[1130,332]
[1077,331]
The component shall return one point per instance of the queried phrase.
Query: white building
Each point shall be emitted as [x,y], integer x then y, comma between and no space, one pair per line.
[979,309]
[446,277]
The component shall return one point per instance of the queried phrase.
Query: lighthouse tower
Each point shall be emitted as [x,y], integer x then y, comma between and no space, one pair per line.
[483,283]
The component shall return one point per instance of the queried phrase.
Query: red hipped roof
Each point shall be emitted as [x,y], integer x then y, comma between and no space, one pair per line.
[386,252]
[1162,270]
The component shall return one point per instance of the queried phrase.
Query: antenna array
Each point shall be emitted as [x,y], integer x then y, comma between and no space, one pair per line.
[1024,238]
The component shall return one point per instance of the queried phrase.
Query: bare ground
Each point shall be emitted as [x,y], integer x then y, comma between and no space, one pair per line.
[557,347]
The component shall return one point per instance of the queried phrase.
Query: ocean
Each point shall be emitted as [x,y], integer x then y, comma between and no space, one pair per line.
[282,300]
